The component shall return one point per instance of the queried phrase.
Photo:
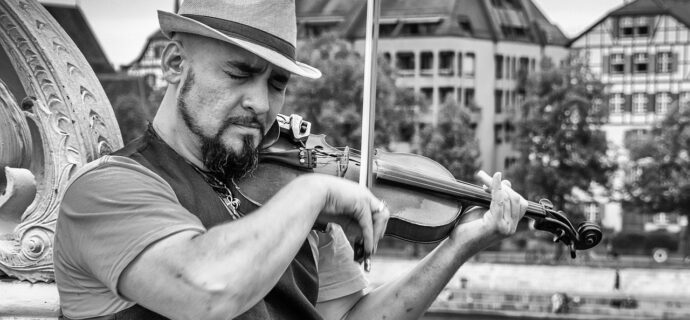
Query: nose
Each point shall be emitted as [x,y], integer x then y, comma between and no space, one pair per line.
[256,97]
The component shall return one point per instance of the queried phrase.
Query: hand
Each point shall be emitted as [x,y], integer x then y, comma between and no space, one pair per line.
[506,209]
[355,209]
[481,227]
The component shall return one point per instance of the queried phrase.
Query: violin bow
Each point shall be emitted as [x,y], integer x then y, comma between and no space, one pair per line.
[369,98]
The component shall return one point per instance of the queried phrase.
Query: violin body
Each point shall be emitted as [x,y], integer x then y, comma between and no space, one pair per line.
[424,199]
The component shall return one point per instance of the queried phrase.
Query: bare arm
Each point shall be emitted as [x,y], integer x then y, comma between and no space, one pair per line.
[225,271]
[409,296]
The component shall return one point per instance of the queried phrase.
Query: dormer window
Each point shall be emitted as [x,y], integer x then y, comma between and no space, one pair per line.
[626,27]
[642,26]
[634,26]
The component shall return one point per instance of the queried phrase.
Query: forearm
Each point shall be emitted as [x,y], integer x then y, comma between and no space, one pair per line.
[409,296]
[244,259]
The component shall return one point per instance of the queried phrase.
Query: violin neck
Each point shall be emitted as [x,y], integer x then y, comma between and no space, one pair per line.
[466,192]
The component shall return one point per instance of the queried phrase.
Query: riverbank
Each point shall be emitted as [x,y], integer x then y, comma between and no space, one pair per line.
[502,291]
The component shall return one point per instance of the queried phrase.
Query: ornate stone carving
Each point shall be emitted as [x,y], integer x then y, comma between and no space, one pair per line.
[66,122]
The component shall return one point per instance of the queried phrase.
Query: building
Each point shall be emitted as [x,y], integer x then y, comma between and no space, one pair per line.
[469,52]
[641,51]
[129,94]
[148,63]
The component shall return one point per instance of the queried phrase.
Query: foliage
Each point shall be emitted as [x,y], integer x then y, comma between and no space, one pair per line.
[659,179]
[558,135]
[660,166]
[452,143]
[131,116]
[333,104]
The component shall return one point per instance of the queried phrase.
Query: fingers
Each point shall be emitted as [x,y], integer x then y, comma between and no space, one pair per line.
[364,218]
[507,205]
[380,217]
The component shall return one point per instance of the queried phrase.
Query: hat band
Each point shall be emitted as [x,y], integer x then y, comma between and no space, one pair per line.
[247,33]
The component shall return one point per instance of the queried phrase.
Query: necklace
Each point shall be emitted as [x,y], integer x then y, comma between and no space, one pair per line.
[224,193]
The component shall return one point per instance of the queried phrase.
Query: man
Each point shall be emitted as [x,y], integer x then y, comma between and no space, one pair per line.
[153,231]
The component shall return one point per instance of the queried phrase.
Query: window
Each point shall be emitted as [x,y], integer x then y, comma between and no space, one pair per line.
[465,24]
[662,102]
[468,64]
[616,102]
[523,65]
[625,27]
[498,133]
[428,94]
[508,162]
[459,63]
[418,28]
[639,103]
[445,63]
[640,61]
[663,62]
[446,94]
[405,62]
[634,27]
[642,26]
[498,101]
[499,66]
[684,100]
[426,63]
[617,61]
[469,97]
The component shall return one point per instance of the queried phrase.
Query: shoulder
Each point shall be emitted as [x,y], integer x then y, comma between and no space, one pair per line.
[112,175]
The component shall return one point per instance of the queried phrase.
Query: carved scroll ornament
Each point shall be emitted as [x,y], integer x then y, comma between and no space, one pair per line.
[64,122]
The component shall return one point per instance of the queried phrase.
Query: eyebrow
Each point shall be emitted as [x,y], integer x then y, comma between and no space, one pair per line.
[248,68]
[245,67]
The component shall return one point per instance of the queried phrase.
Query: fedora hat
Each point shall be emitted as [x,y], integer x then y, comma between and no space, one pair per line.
[266,28]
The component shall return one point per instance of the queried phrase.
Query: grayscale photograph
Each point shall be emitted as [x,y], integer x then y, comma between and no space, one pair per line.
[345,159]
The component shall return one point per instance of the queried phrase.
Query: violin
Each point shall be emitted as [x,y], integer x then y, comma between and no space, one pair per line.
[424,199]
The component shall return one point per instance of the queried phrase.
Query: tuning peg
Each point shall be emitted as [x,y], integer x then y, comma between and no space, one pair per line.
[546,203]
[572,250]
[559,236]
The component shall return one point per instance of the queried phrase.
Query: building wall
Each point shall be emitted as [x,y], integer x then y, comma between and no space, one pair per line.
[656,89]
[473,73]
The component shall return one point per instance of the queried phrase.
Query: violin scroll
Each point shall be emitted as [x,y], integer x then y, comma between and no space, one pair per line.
[587,235]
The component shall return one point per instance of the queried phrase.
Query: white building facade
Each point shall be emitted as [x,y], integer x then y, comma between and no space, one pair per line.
[641,51]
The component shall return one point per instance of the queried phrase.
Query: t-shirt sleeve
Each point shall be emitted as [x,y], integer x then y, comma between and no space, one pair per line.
[112,211]
[339,274]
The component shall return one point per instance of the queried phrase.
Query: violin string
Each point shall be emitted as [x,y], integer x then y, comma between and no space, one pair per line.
[478,191]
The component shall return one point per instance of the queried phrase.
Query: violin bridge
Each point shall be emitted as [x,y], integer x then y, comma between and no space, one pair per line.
[343,161]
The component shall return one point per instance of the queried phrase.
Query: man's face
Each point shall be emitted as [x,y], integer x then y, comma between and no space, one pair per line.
[229,97]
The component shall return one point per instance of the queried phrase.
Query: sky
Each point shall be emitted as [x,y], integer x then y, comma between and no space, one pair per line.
[122,26]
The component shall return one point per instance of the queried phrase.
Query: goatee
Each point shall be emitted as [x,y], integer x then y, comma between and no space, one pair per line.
[227,165]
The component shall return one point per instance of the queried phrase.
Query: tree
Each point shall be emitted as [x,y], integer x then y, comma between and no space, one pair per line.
[452,143]
[558,135]
[660,169]
[333,104]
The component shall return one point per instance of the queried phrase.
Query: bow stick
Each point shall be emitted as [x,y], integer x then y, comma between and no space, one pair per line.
[369,97]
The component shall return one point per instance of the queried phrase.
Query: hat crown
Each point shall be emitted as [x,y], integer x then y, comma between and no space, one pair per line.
[276,17]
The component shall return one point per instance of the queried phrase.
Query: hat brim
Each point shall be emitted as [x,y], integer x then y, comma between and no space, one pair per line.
[171,22]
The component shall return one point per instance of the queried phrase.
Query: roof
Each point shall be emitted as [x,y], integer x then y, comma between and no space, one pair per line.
[155,36]
[72,20]
[465,18]
[679,9]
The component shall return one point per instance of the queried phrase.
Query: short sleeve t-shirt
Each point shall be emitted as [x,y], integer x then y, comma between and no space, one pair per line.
[114,208]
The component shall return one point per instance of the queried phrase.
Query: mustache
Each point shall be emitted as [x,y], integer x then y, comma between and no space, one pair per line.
[247,121]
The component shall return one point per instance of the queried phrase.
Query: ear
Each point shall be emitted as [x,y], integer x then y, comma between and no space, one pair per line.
[172,62]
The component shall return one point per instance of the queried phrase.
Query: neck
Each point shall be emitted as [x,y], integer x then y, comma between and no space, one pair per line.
[170,126]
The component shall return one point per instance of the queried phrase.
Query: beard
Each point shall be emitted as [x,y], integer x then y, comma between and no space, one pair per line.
[223,162]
